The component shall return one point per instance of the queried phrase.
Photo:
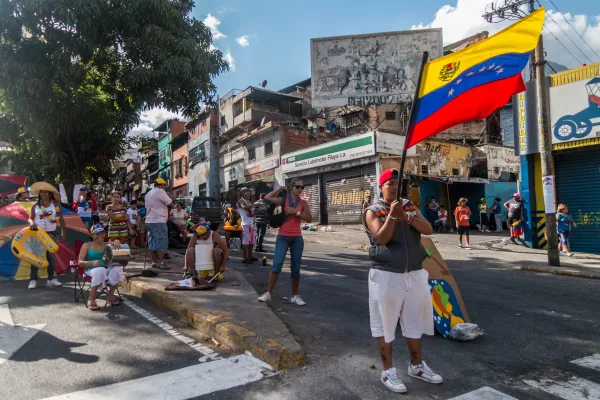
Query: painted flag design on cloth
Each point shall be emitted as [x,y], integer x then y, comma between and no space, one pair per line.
[472,83]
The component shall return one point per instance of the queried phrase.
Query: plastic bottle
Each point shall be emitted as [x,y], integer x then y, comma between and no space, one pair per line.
[264,261]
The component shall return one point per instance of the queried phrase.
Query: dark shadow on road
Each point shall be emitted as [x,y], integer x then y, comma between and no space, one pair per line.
[52,348]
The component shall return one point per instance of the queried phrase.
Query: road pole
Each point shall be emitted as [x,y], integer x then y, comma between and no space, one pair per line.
[546,154]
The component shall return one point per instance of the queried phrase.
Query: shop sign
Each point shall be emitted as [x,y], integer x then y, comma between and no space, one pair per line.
[526,120]
[353,147]
[354,196]
[392,144]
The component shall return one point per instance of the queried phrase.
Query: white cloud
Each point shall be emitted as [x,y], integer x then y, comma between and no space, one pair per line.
[213,24]
[465,19]
[243,41]
[151,119]
[230,60]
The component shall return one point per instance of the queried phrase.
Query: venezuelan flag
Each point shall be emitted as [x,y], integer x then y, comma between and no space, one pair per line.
[472,83]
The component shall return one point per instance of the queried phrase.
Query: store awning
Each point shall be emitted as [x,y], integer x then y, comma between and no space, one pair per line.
[453,179]
[266,179]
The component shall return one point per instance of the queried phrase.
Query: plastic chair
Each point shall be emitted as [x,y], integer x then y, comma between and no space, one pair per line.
[82,284]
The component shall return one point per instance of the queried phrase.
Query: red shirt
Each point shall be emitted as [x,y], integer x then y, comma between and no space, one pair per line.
[291,227]
[462,214]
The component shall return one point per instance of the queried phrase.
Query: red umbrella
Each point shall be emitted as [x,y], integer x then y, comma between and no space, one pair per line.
[10,184]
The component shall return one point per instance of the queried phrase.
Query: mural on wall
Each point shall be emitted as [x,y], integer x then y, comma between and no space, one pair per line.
[369,69]
[575,109]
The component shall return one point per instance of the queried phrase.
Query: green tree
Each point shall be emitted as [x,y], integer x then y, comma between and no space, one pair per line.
[76,74]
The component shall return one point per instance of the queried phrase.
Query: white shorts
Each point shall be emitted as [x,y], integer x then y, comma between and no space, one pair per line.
[405,297]
[99,275]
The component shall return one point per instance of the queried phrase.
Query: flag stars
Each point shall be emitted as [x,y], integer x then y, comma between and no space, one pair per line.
[471,74]
[501,70]
[451,92]
[482,69]
[458,81]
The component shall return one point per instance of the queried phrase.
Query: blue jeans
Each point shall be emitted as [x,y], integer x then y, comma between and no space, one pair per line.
[261,229]
[158,236]
[33,275]
[296,246]
[88,224]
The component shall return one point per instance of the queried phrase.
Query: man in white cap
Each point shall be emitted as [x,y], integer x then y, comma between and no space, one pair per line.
[157,213]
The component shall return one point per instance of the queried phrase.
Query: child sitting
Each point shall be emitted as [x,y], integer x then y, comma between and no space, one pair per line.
[442,220]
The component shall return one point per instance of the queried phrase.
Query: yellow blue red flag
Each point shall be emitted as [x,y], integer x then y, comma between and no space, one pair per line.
[472,83]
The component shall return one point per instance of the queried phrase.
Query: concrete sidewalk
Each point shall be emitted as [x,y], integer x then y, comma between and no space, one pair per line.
[230,313]
[523,258]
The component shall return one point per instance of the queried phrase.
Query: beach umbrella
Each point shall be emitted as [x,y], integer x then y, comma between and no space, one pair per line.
[13,218]
[9,184]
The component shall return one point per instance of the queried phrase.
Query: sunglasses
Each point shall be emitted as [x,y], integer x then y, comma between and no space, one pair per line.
[299,187]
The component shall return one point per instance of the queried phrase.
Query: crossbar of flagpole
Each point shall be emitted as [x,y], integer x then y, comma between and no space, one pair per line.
[413,112]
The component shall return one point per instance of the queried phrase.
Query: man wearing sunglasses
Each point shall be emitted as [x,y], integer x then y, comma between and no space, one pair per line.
[289,237]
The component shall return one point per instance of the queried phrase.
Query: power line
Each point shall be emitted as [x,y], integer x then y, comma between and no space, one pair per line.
[574,30]
[565,47]
[562,30]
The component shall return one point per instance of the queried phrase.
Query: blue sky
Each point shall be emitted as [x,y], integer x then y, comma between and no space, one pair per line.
[276,34]
[279,32]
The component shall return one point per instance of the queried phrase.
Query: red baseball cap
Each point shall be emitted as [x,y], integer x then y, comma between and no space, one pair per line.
[387,175]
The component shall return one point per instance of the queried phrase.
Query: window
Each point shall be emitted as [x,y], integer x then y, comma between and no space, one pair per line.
[424,170]
[455,172]
[161,155]
[352,120]
[251,154]
[222,120]
[178,165]
[268,148]
[391,115]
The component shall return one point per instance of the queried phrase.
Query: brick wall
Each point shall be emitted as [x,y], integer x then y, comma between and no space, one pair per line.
[293,139]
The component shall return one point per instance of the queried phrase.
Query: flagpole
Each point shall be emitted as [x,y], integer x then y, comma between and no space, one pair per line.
[413,112]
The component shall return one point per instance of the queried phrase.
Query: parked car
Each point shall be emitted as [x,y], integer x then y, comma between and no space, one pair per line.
[207,208]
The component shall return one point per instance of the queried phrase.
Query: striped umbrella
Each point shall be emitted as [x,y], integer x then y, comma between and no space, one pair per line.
[9,184]
[13,218]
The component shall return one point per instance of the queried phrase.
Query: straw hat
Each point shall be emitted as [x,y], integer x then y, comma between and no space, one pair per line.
[43,186]
[462,199]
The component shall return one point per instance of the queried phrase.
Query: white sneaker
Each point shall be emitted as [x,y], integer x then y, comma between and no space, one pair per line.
[460,246]
[32,285]
[54,282]
[297,300]
[468,247]
[423,372]
[391,381]
[265,297]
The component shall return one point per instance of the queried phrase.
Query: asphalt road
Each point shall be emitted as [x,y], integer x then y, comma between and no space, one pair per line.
[535,324]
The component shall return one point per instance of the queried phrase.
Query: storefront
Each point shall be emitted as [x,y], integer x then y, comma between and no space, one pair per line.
[338,176]
[575,121]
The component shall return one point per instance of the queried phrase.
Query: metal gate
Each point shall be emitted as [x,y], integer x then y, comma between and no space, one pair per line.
[578,186]
[346,191]
[312,196]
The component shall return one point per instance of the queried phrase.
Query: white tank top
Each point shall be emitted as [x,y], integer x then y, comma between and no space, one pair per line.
[204,254]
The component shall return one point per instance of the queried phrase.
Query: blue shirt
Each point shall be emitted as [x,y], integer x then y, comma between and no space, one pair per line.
[496,209]
[563,222]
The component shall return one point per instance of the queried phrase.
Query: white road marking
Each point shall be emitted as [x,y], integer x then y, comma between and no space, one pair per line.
[207,354]
[181,384]
[485,393]
[592,362]
[571,389]
[12,337]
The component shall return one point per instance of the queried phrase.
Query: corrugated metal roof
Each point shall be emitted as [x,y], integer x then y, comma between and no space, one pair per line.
[574,75]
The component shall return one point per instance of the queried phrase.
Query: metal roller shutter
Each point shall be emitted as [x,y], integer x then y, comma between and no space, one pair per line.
[346,190]
[578,186]
[312,196]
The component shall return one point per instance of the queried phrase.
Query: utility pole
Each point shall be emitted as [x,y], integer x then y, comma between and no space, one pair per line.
[546,154]
[512,10]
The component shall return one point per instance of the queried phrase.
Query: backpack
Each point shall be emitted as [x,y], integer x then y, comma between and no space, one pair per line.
[275,213]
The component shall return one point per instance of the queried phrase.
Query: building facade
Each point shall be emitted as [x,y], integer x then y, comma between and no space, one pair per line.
[166,132]
[203,159]
[179,166]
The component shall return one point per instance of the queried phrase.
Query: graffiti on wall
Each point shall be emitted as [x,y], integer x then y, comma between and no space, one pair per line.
[443,149]
[591,219]
[354,196]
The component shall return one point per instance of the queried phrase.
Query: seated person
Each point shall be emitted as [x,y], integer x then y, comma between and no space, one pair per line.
[210,241]
[442,220]
[91,257]
[233,223]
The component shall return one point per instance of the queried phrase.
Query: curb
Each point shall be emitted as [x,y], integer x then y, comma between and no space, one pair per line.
[270,350]
[559,272]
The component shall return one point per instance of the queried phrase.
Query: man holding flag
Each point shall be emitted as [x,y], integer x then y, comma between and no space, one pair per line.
[457,88]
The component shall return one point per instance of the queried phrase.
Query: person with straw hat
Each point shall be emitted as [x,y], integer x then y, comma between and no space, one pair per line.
[462,215]
[45,214]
